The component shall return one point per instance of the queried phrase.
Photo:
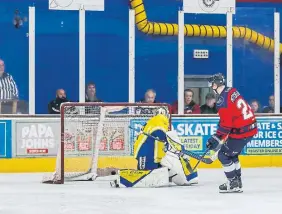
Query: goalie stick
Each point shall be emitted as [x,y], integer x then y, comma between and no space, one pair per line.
[186,152]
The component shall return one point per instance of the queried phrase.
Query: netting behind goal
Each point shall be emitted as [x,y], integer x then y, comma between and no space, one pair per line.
[97,138]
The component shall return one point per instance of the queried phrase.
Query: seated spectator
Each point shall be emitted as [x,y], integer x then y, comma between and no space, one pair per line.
[54,105]
[209,107]
[190,107]
[255,106]
[270,108]
[150,98]
[91,96]
[90,93]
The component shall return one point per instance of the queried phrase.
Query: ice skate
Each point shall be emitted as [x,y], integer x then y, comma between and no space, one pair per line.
[231,186]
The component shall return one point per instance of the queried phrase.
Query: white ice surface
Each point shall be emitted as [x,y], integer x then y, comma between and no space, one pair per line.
[24,194]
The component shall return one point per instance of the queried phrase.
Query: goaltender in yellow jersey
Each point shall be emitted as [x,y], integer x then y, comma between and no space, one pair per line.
[160,162]
[148,151]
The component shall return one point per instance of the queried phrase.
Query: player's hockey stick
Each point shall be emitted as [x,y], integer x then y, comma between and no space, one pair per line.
[186,152]
[197,157]
[199,161]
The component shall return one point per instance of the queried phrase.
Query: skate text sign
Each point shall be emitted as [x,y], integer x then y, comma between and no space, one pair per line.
[269,138]
[194,133]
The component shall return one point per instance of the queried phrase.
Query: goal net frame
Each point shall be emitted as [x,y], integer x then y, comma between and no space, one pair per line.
[58,177]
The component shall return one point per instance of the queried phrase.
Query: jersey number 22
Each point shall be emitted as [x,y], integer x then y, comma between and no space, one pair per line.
[245,108]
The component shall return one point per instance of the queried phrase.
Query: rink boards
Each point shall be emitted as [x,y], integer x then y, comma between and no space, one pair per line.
[30,144]
[48,164]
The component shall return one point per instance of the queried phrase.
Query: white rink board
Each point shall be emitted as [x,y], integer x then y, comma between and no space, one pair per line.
[208,6]
[24,194]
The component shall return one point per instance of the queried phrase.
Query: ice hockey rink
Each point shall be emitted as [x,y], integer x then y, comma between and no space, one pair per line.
[24,194]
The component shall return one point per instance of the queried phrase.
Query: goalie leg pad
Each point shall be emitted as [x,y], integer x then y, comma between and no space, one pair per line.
[191,176]
[143,178]
[178,170]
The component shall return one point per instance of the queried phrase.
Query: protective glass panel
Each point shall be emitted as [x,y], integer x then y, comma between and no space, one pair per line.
[107,53]
[14,57]
[156,50]
[254,58]
[57,58]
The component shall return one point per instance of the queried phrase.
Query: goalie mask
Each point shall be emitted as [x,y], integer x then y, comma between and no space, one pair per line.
[162,111]
[217,79]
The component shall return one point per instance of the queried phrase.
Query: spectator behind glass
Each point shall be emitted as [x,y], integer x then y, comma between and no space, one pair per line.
[54,105]
[150,96]
[190,107]
[209,107]
[90,93]
[8,87]
[255,106]
[270,108]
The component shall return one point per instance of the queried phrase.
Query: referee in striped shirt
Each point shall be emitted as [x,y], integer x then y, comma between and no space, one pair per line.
[8,89]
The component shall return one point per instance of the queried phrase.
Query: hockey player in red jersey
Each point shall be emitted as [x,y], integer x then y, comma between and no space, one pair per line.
[236,128]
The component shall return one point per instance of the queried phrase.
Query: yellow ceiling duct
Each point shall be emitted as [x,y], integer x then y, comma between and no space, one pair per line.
[212,31]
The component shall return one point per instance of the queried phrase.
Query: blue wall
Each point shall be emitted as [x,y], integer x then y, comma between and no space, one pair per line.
[107,51]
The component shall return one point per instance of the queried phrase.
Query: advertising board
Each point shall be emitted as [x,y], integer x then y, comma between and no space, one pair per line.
[37,138]
[82,138]
[5,139]
[41,137]
[195,131]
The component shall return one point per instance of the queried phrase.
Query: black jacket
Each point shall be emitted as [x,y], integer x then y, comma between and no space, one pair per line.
[205,109]
[268,109]
[54,105]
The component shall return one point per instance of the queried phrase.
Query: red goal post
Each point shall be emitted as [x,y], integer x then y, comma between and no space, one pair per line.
[96,138]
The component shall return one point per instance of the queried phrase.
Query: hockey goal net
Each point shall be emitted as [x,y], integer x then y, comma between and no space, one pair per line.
[97,138]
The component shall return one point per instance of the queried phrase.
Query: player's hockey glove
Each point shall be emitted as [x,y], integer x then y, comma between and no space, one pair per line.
[213,142]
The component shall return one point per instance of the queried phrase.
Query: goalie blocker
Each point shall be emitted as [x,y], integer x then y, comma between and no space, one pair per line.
[160,162]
